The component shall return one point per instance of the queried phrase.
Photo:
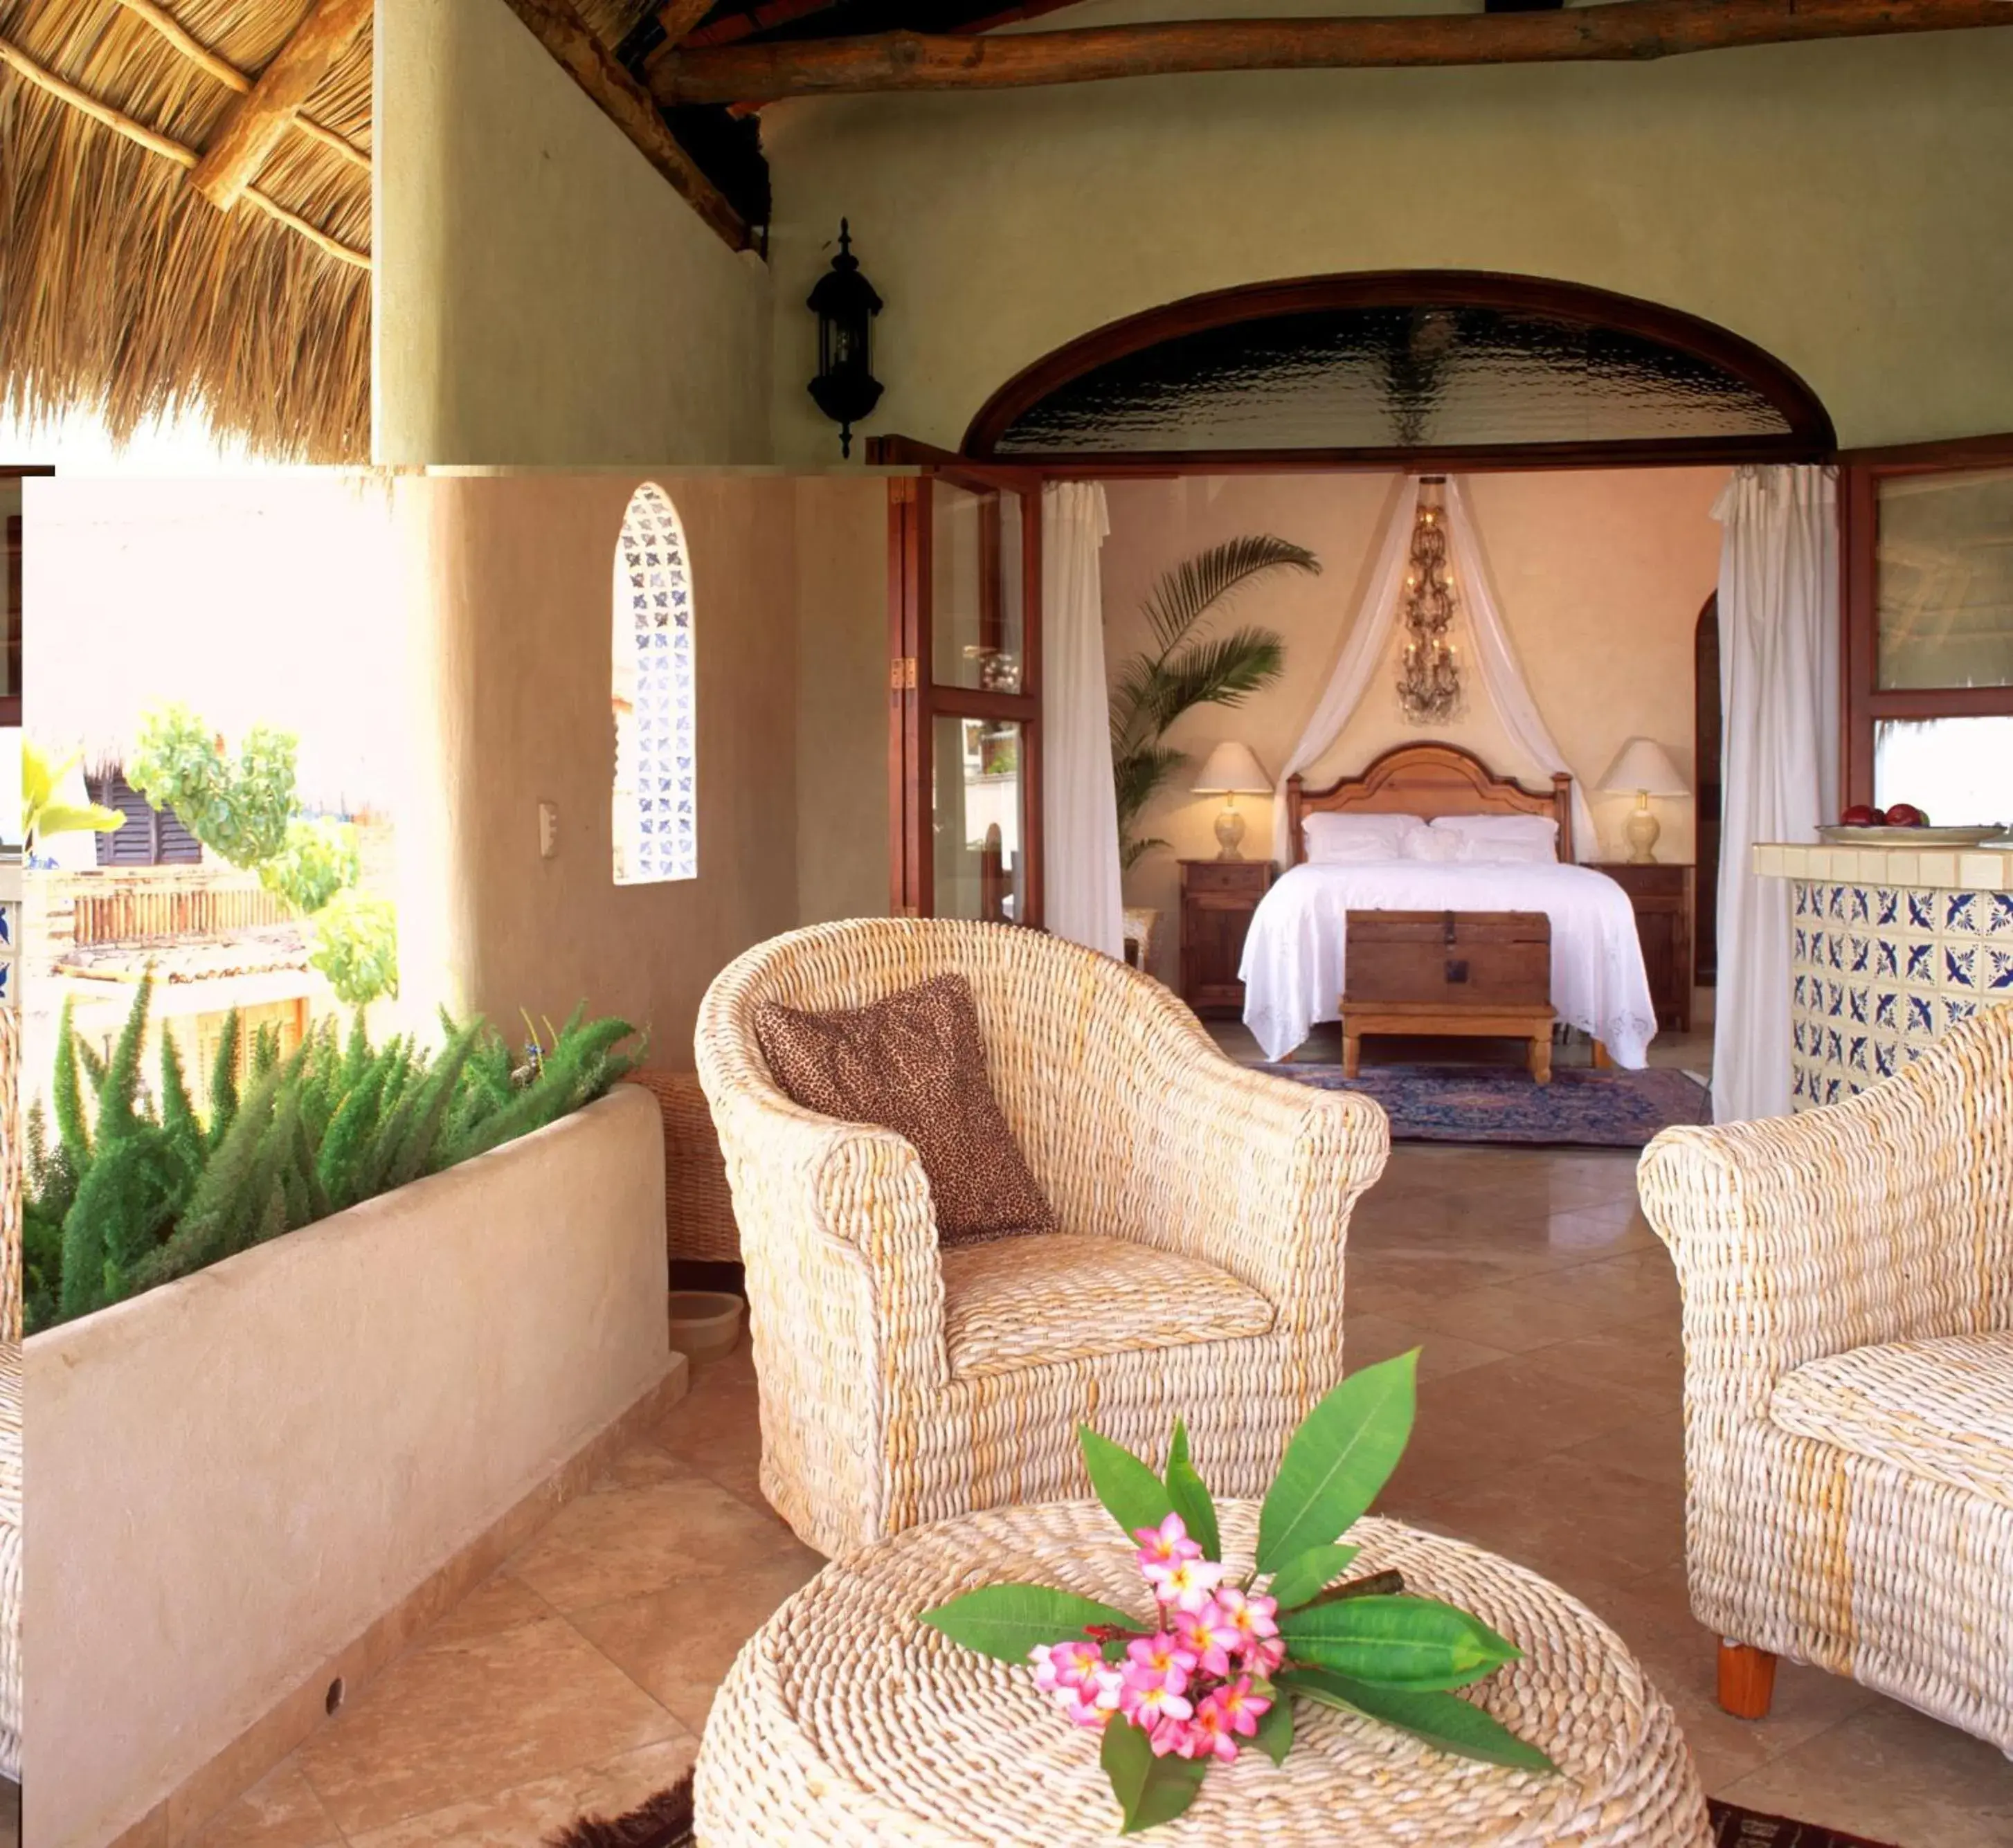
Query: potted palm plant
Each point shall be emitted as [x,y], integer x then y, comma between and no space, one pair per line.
[1186,667]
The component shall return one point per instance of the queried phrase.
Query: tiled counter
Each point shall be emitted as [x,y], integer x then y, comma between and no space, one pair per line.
[1889,945]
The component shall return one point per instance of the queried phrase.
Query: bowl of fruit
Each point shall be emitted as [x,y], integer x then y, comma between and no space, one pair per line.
[1903,825]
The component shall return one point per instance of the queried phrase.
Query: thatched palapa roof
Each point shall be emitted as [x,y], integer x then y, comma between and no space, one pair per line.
[124,289]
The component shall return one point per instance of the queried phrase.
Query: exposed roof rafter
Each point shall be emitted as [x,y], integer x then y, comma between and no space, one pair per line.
[559,27]
[1623,31]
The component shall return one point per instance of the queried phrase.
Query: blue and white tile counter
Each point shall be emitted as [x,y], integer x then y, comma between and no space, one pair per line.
[1889,945]
[10,931]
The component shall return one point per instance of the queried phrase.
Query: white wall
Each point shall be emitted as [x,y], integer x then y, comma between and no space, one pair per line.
[1832,203]
[542,297]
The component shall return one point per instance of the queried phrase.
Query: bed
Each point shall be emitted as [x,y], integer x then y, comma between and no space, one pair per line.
[1293,961]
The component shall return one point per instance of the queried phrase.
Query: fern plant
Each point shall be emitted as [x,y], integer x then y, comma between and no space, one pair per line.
[140,1189]
[1186,668]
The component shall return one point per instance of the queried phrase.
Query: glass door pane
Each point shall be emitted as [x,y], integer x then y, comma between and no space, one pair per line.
[978,838]
[977,632]
[1943,580]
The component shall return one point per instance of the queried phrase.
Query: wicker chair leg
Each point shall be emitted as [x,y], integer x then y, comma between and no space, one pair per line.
[1747,1680]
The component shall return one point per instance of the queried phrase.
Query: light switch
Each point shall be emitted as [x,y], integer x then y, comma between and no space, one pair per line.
[549,830]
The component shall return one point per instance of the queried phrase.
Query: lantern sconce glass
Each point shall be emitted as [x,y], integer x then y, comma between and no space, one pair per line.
[845,303]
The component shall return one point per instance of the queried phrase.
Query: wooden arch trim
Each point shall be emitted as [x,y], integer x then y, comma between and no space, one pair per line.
[1809,436]
[1429,780]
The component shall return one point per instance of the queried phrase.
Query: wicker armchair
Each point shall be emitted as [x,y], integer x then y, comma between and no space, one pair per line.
[1196,1272]
[1848,1287]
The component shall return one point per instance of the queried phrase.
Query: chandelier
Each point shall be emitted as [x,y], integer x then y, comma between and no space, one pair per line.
[1429,682]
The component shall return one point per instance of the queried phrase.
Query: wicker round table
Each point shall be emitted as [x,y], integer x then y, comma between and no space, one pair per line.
[845,1720]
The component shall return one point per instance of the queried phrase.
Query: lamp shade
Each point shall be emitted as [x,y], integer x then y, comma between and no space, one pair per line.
[1643,764]
[1233,770]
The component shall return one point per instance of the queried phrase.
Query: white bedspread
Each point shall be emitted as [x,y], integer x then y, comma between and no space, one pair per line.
[1293,956]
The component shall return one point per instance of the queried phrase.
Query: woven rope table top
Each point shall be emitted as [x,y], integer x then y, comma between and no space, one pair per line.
[844,1720]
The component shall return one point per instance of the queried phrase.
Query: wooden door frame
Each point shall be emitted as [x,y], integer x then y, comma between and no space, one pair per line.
[916,701]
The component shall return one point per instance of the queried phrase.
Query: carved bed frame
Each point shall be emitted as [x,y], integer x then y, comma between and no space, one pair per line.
[1429,780]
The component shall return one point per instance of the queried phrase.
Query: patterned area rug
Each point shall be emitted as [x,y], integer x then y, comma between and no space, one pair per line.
[1500,1103]
[666,1821]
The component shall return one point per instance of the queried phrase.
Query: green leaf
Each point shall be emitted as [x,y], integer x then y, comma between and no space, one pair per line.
[1274,1736]
[1444,1720]
[1402,1642]
[1150,1790]
[1006,1621]
[1133,1496]
[1342,1454]
[1307,1575]
[1191,1497]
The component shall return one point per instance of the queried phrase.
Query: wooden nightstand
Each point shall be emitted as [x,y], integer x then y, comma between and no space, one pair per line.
[1662,895]
[1218,897]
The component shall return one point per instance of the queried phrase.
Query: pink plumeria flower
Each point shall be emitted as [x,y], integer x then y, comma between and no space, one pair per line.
[1166,1544]
[1066,1667]
[1240,1709]
[1181,1737]
[1210,1636]
[1264,1656]
[1209,1733]
[1147,1707]
[1255,1619]
[1160,1656]
[1188,1585]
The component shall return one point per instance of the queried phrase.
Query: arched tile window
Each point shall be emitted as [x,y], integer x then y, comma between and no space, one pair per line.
[656,813]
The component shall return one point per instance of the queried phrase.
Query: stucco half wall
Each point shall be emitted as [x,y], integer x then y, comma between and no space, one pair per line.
[542,297]
[235,1474]
[1827,202]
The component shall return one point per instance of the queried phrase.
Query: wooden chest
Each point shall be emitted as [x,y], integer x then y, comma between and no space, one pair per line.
[1487,959]
[1484,974]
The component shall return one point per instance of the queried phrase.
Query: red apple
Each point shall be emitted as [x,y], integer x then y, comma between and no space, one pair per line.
[1905,814]
[1861,815]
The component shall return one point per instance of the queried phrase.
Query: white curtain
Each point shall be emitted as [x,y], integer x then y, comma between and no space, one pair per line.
[1079,800]
[1362,653]
[1779,692]
[1493,661]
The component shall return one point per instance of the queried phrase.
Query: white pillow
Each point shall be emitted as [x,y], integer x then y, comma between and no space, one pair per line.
[1503,839]
[1436,846]
[1338,840]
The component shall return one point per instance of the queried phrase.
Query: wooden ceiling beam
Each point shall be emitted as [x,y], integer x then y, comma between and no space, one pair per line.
[578,52]
[252,125]
[1623,30]
[678,19]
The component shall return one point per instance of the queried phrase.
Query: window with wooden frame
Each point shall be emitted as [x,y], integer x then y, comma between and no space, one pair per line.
[1927,676]
[964,696]
[654,694]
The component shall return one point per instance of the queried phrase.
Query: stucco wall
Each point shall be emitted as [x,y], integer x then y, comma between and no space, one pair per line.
[216,1511]
[842,698]
[1601,576]
[542,296]
[1826,200]
[519,571]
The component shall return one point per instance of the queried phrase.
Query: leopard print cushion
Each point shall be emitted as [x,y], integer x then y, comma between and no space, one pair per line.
[914,1063]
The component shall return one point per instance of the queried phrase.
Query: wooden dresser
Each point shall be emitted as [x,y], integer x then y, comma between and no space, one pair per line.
[1662,895]
[1218,897]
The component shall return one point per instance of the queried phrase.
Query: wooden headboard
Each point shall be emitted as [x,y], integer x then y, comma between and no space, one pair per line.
[1430,780]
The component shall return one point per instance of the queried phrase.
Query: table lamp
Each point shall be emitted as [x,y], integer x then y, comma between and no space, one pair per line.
[1642,768]
[1231,771]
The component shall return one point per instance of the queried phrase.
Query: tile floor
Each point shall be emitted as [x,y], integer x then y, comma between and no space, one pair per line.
[579,1676]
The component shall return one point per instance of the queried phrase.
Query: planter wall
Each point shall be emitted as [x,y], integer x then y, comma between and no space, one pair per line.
[236,1474]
